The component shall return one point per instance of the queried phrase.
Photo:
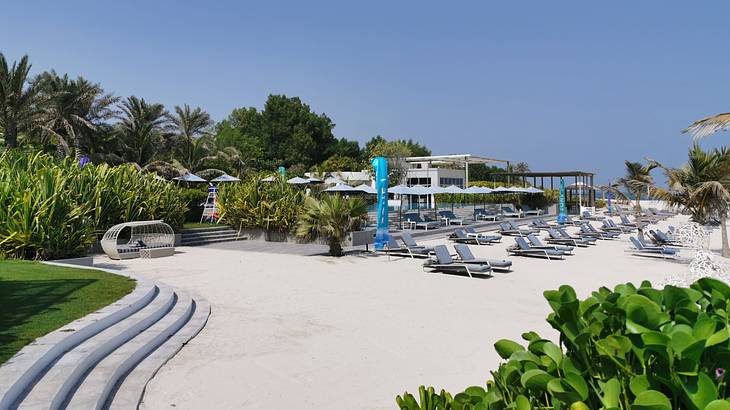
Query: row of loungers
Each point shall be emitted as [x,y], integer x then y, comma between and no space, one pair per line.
[465,262]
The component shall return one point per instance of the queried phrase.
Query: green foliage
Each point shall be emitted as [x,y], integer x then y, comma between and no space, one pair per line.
[51,209]
[600,203]
[340,163]
[194,198]
[630,348]
[331,217]
[18,111]
[251,203]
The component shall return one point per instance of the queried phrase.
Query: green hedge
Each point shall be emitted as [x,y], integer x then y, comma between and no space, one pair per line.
[51,209]
[626,348]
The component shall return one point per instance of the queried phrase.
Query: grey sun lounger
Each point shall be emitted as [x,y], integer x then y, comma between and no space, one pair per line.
[394,248]
[539,223]
[507,229]
[660,238]
[528,210]
[411,243]
[522,248]
[461,237]
[451,217]
[484,214]
[509,212]
[586,216]
[535,243]
[570,222]
[526,228]
[640,249]
[587,229]
[420,223]
[444,263]
[591,240]
[466,256]
[609,224]
[626,222]
[470,231]
[555,237]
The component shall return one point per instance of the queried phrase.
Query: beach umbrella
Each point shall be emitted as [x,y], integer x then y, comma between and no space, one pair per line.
[366,189]
[452,190]
[399,190]
[188,177]
[297,180]
[313,180]
[501,190]
[333,181]
[533,190]
[225,178]
[341,188]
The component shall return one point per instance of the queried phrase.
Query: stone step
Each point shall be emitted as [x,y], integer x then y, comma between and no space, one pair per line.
[209,235]
[61,381]
[207,229]
[210,241]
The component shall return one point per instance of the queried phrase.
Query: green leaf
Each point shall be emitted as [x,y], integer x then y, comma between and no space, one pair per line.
[553,351]
[578,384]
[701,390]
[522,403]
[718,405]
[651,400]
[704,327]
[612,393]
[536,379]
[505,348]
[639,384]
[579,405]
[718,337]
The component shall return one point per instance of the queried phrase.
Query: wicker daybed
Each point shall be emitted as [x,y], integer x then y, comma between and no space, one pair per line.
[136,239]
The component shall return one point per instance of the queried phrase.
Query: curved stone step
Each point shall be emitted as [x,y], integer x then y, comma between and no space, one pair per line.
[101,382]
[129,394]
[21,373]
[64,376]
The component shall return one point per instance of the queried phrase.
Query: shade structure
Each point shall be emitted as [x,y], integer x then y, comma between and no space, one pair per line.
[366,189]
[188,177]
[225,178]
[341,188]
[478,190]
[313,180]
[501,190]
[333,181]
[399,190]
[453,189]
[269,179]
[424,190]
[297,180]
[533,190]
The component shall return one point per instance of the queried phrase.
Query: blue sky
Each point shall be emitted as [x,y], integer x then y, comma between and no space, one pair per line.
[560,85]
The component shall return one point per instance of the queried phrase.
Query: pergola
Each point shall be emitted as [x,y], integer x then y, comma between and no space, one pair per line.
[458,159]
[581,180]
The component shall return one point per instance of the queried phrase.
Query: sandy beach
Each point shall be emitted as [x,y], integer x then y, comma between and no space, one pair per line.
[308,332]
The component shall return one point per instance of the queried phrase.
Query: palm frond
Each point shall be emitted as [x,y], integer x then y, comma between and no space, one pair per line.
[708,126]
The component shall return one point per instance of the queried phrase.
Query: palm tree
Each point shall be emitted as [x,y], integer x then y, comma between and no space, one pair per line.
[144,130]
[74,112]
[192,129]
[637,180]
[702,187]
[18,100]
[331,218]
[708,126]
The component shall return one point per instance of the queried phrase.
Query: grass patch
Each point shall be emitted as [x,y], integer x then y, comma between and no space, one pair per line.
[36,299]
[193,225]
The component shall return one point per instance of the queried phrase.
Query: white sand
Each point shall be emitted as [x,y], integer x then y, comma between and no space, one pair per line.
[323,333]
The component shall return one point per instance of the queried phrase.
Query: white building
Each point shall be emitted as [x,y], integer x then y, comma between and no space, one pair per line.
[444,170]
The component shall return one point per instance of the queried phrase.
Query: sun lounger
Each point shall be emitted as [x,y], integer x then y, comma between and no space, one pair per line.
[587,230]
[451,218]
[507,229]
[528,210]
[420,223]
[535,243]
[569,221]
[668,214]
[411,243]
[466,256]
[626,222]
[461,237]
[509,212]
[444,263]
[640,249]
[587,216]
[555,237]
[522,248]
[470,231]
[486,215]
[610,225]
[539,223]
[660,238]
[392,247]
[525,228]
[587,238]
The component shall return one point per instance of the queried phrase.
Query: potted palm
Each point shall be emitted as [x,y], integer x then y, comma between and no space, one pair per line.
[331,218]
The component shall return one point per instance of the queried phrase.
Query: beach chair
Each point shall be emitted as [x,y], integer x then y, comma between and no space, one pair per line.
[587,230]
[660,238]
[411,243]
[513,225]
[626,222]
[569,221]
[609,224]
[392,247]
[470,231]
[535,243]
[539,223]
[486,215]
[507,229]
[587,216]
[640,249]
[466,256]
[509,212]
[461,237]
[451,218]
[668,214]
[522,248]
[445,264]
[591,240]
[420,223]
[556,238]
[528,210]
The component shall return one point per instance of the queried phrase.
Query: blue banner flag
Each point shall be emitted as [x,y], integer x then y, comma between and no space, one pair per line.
[380,165]
[563,212]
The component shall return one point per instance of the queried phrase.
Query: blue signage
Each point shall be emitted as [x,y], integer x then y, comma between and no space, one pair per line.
[380,165]
[563,212]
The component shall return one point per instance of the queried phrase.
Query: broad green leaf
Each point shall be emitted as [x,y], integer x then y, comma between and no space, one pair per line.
[612,393]
[701,390]
[704,327]
[578,384]
[553,351]
[651,400]
[505,348]
[579,405]
[536,379]
[718,405]
[522,403]
[718,337]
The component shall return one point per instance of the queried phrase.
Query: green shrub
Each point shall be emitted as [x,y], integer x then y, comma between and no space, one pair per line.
[630,348]
[252,203]
[194,198]
[331,218]
[600,203]
[51,209]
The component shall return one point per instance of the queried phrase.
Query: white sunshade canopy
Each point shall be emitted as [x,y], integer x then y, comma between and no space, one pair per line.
[477,190]
[225,178]
[366,188]
[533,190]
[399,189]
[297,180]
[188,177]
[313,180]
[453,189]
[341,188]
[333,181]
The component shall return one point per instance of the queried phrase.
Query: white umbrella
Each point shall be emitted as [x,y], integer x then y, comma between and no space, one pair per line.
[298,180]
[501,190]
[400,190]
[225,178]
[314,181]
[452,189]
[367,189]
[333,181]
[533,190]
[188,177]
[340,188]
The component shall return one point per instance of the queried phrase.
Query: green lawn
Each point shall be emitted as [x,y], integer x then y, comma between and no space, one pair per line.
[36,299]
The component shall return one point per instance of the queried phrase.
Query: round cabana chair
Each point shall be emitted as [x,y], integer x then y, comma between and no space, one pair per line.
[136,239]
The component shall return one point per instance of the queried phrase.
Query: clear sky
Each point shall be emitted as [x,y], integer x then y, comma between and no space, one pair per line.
[561,85]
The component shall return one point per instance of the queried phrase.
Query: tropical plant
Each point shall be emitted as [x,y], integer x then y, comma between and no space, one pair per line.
[708,125]
[144,129]
[252,203]
[74,111]
[331,218]
[702,187]
[634,183]
[630,348]
[18,100]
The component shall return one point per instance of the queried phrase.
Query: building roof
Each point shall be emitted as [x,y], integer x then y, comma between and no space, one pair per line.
[455,159]
[546,174]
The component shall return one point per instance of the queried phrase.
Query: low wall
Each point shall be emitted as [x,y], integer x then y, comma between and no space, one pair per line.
[357,238]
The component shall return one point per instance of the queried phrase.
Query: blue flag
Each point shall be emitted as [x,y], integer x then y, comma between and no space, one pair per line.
[563,212]
[380,165]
